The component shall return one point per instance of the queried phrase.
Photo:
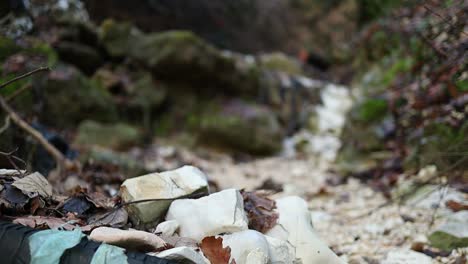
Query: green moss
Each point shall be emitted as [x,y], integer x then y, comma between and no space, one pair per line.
[73,98]
[446,241]
[181,57]
[372,110]
[442,146]
[258,133]
[114,136]
[398,66]
[128,165]
[280,62]
[118,37]
[372,9]
[44,49]
[7,48]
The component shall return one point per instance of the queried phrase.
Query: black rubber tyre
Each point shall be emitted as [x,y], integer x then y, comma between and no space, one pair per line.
[14,249]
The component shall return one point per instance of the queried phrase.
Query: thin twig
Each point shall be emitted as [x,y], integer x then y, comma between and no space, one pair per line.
[6,125]
[59,158]
[444,19]
[119,206]
[412,190]
[54,152]
[9,156]
[24,76]
[18,92]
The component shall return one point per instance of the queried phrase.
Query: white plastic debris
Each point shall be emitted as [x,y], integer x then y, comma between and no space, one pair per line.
[294,225]
[221,212]
[183,253]
[247,246]
[167,228]
[166,186]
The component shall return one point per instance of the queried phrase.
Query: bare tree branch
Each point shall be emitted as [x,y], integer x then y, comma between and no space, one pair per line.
[59,158]
[24,76]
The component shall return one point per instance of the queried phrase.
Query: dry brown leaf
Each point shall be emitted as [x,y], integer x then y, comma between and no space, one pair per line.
[260,211]
[212,248]
[34,184]
[456,206]
[44,222]
[113,218]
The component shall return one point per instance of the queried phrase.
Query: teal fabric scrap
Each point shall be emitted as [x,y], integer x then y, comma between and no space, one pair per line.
[108,254]
[46,247]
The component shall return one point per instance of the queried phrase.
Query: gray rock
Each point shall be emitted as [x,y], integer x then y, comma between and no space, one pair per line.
[451,234]
[166,186]
[431,196]
[243,127]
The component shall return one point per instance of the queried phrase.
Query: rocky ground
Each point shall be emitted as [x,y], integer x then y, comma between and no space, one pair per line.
[357,222]
[380,165]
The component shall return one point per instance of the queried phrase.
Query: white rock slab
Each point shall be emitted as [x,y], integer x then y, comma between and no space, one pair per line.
[281,252]
[129,239]
[183,253]
[167,186]
[221,212]
[247,247]
[406,256]
[294,225]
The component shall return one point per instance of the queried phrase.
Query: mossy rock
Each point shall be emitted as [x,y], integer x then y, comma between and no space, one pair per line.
[182,57]
[243,127]
[70,97]
[118,38]
[7,47]
[128,165]
[85,57]
[176,52]
[141,96]
[280,62]
[113,136]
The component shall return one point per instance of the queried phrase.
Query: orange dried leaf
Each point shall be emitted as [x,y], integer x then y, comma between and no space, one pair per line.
[212,248]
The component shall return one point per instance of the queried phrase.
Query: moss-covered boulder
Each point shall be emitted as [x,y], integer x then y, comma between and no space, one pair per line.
[181,56]
[113,136]
[280,62]
[69,97]
[140,95]
[118,38]
[128,165]
[85,57]
[241,126]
